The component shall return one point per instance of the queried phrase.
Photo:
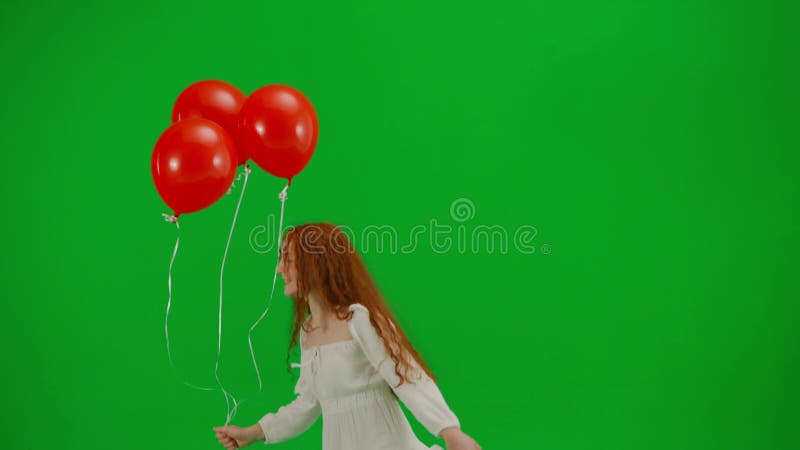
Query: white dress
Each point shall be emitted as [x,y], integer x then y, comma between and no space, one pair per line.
[352,385]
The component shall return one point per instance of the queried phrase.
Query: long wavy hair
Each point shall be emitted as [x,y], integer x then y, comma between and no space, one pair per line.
[327,262]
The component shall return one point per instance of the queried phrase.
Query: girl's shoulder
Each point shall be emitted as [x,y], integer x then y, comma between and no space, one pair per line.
[358,307]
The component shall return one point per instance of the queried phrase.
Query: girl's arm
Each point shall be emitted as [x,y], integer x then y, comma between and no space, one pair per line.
[421,396]
[293,419]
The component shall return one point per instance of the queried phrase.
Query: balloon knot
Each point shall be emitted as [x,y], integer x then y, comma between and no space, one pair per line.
[245,172]
[169,218]
[282,195]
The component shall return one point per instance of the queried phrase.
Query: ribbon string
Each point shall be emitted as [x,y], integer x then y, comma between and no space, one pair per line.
[174,220]
[282,196]
[228,396]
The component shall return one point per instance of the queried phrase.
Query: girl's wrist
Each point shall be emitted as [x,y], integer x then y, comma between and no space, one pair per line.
[448,432]
[256,432]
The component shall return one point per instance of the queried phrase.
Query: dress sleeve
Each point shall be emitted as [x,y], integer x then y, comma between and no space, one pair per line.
[421,396]
[294,418]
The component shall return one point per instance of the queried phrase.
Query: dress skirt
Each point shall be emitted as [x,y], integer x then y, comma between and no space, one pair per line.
[371,419]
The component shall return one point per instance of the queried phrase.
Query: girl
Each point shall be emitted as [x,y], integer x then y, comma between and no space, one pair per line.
[356,361]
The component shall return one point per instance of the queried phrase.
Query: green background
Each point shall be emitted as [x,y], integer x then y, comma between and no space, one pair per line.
[652,145]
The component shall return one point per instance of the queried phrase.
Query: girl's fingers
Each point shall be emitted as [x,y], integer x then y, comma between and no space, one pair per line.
[227,441]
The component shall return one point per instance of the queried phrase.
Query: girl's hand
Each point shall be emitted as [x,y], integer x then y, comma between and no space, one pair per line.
[455,439]
[232,437]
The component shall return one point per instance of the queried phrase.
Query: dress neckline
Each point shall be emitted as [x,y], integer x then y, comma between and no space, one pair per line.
[304,336]
[348,341]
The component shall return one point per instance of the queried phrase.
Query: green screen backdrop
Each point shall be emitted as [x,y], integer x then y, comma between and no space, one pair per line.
[622,176]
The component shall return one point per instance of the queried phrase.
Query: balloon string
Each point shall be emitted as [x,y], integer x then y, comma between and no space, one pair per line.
[282,196]
[174,220]
[228,396]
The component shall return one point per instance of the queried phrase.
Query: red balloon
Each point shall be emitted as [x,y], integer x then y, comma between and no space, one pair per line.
[214,100]
[279,129]
[193,164]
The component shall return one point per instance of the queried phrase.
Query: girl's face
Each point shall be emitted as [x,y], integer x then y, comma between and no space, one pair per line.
[288,272]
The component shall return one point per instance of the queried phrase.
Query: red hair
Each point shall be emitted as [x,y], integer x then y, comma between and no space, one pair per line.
[327,262]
